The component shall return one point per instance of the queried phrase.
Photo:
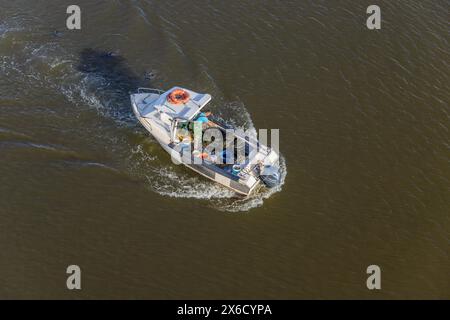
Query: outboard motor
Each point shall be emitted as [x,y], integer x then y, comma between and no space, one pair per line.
[270,175]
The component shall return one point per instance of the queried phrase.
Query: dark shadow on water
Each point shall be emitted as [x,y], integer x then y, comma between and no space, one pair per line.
[110,80]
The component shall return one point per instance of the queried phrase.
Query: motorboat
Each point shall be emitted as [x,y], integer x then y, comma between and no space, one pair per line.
[243,165]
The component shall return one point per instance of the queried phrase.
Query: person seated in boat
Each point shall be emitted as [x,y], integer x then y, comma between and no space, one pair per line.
[202,117]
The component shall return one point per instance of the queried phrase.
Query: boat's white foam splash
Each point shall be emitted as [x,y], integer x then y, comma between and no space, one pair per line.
[183,186]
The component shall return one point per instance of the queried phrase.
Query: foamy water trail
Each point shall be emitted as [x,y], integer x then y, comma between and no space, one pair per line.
[6,28]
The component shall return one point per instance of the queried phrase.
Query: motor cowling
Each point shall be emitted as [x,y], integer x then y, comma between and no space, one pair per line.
[270,175]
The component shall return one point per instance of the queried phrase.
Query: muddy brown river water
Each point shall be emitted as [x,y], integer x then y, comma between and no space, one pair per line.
[364,138]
